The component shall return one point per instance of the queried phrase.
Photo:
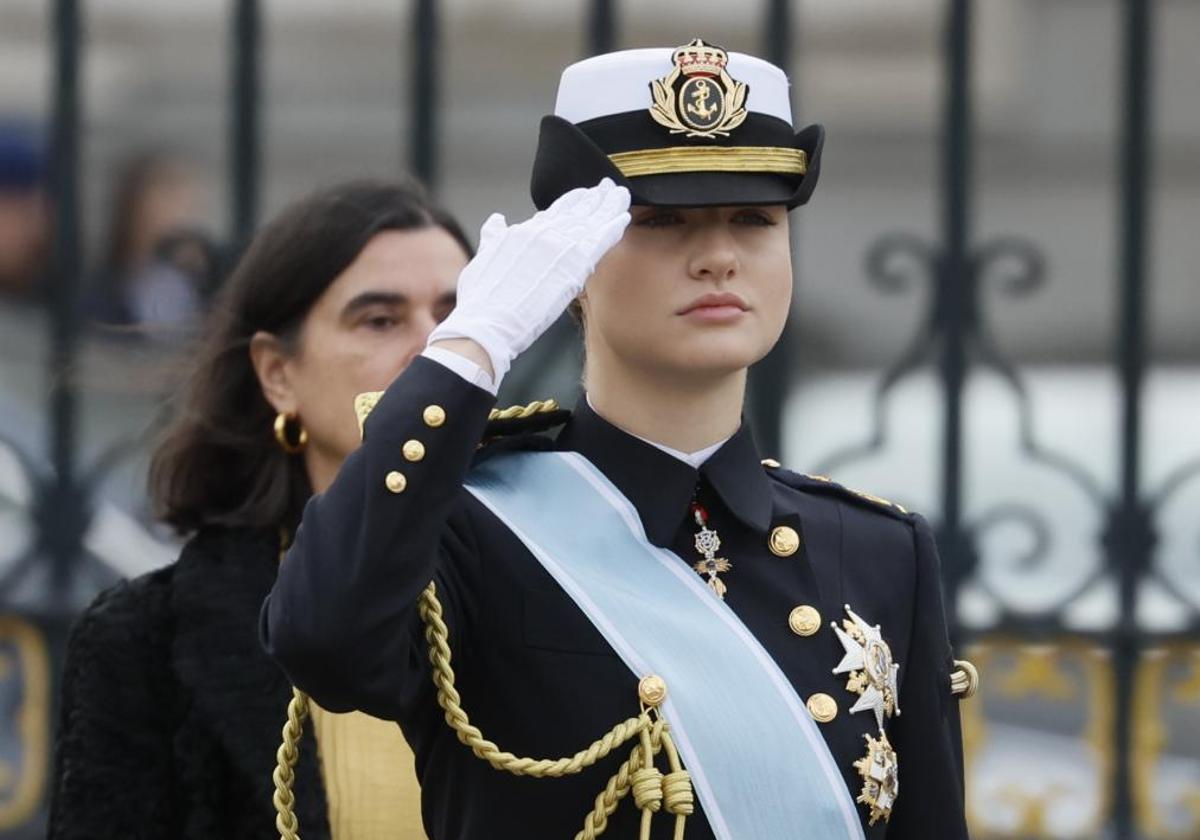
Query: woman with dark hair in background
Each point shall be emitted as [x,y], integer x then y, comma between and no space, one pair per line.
[171,712]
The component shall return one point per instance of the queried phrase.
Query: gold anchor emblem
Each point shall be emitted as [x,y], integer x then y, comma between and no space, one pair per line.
[699,98]
[699,105]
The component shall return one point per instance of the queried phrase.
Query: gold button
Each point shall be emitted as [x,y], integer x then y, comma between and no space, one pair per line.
[822,707]
[771,463]
[784,541]
[396,482]
[804,620]
[414,450]
[434,416]
[652,690]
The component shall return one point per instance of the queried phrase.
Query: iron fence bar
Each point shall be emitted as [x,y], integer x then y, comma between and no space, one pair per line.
[62,539]
[244,130]
[768,378]
[954,291]
[1130,533]
[424,52]
[602,27]
[563,337]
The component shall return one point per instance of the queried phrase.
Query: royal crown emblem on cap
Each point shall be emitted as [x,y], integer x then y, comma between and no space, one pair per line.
[699,98]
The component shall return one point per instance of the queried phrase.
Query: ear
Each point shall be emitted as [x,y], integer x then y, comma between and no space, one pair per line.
[270,366]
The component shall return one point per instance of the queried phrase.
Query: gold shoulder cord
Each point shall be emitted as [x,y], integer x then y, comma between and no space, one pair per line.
[520,412]
[653,790]
[365,403]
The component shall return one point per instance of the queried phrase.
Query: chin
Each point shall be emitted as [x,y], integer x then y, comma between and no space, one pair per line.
[725,347]
[717,358]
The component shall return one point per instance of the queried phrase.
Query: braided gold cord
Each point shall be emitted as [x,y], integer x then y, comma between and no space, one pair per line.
[520,412]
[653,791]
[437,635]
[675,798]
[678,797]
[285,764]
[964,679]
[618,787]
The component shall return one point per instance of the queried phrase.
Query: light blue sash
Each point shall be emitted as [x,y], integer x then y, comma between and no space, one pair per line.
[759,765]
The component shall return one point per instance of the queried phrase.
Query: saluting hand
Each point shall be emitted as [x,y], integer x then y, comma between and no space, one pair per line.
[525,275]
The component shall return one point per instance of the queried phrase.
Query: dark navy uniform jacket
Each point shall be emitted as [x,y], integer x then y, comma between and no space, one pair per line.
[534,674]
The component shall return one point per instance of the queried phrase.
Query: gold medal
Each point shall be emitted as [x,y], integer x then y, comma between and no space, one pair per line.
[880,771]
[708,543]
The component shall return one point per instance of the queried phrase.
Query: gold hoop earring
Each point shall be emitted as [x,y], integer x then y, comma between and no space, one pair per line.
[281,434]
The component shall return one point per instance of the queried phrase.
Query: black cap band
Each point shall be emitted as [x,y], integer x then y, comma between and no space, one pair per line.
[765,163]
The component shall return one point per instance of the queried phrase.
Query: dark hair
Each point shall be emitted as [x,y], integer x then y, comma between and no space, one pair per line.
[218,462]
[136,177]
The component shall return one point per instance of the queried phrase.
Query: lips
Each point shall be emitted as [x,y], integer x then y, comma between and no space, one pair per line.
[715,301]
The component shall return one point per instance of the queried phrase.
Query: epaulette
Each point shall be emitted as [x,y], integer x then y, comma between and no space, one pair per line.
[364,404]
[824,484]
[537,416]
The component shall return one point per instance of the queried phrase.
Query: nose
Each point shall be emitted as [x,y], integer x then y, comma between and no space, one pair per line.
[714,255]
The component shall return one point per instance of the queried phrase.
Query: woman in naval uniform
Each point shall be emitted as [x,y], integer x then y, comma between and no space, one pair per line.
[639,607]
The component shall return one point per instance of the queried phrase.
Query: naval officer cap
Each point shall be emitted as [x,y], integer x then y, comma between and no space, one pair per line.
[694,126]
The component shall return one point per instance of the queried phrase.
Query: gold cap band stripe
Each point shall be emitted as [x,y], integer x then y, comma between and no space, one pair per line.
[711,159]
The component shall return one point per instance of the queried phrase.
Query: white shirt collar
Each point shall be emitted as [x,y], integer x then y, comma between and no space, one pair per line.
[693,459]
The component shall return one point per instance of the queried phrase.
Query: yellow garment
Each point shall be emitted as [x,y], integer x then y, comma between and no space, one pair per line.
[370,782]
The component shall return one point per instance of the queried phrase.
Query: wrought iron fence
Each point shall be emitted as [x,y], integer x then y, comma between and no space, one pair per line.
[1129,681]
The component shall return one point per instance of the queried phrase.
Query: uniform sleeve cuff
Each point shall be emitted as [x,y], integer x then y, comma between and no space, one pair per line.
[463,366]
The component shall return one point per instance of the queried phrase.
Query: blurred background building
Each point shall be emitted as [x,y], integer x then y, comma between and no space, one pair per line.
[998,291]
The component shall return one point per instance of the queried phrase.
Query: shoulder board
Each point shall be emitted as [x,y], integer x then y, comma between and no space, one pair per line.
[537,416]
[824,484]
[364,404]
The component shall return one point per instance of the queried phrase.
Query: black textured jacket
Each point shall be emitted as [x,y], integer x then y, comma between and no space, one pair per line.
[535,675]
[171,712]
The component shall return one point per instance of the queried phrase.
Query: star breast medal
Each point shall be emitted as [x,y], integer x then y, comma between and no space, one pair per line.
[872,676]
[880,771]
[699,98]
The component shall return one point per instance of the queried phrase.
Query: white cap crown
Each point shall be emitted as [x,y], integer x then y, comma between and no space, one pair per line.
[619,82]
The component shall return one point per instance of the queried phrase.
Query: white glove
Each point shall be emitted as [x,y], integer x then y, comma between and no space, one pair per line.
[524,276]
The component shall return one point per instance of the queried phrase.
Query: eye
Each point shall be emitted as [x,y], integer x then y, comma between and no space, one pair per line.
[380,322]
[754,218]
[660,218]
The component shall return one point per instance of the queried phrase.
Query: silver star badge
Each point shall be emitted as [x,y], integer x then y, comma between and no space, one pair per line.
[868,661]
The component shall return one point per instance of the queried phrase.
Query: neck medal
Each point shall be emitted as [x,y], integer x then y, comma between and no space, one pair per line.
[708,544]
[868,661]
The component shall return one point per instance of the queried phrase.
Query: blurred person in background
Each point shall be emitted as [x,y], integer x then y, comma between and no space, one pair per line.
[171,712]
[159,267]
[25,278]
[24,216]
